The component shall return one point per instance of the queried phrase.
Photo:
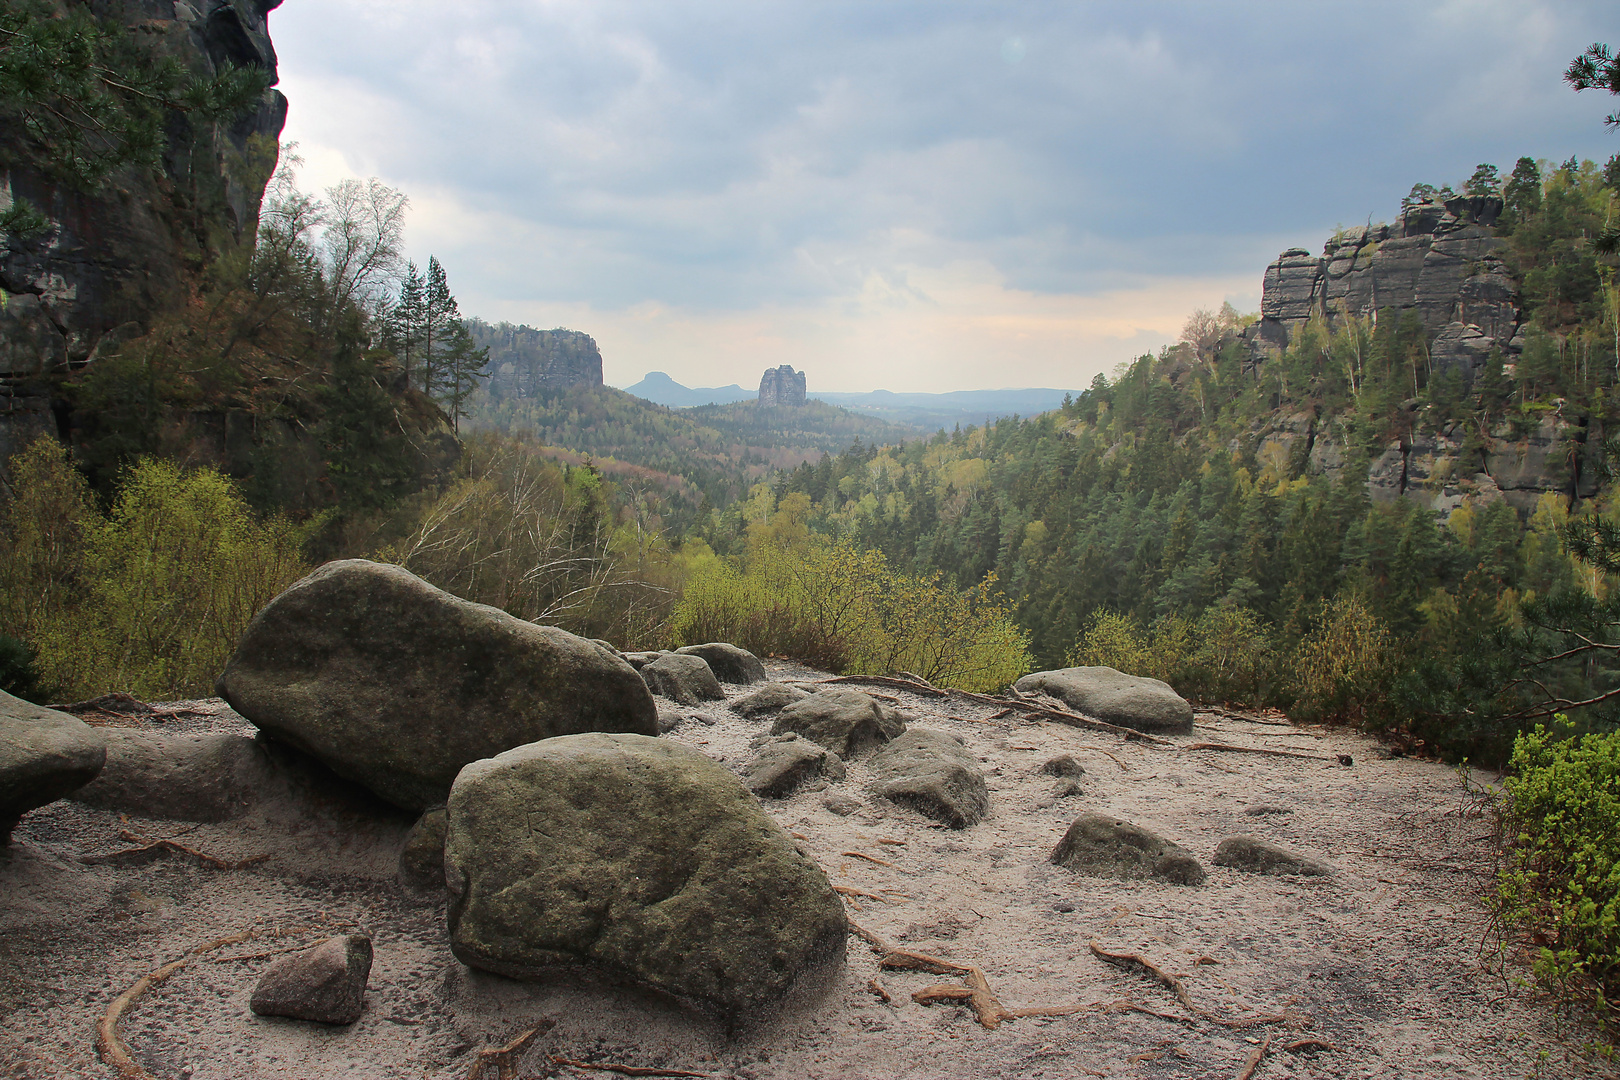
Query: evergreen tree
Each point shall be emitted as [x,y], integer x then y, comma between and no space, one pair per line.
[460,365]
[440,316]
[406,324]
[1485,181]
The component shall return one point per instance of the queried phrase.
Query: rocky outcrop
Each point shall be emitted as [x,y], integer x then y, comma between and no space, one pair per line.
[1101,845]
[326,984]
[847,722]
[44,755]
[1127,700]
[633,859]
[787,761]
[782,386]
[771,697]
[1441,261]
[932,773]
[729,663]
[395,684]
[524,362]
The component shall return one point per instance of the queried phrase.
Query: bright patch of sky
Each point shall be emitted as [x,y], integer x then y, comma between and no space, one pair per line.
[909,195]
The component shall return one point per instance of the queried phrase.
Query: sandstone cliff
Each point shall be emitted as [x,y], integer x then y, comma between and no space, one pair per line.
[782,386]
[524,361]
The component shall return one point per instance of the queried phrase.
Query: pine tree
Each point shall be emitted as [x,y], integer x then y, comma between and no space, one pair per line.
[440,316]
[406,327]
[460,366]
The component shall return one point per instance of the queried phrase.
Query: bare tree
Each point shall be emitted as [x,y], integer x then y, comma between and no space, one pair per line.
[360,248]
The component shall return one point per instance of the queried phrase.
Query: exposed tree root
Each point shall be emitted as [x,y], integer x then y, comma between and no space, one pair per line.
[1135,962]
[623,1070]
[1257,750]
[1309,1044]
[1256,1056]
[850,890]
[504,1059]
[111,1048]
[1002,715]
[1219,710]
[150,850]
[877,989]
[868,858]
[919,686]
[1072,719]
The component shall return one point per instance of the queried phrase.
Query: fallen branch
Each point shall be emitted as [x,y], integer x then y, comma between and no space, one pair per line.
[1137,963]
[1072,719]
[868,858]
[1256,750]
[623,1070]
[918,687]
[1003,714]
[1256,1056]
[1247,718]
[150,850]
[1309,1044]
[877,988]
[892,842]
[847,890]
[504,1059]
[111,1048]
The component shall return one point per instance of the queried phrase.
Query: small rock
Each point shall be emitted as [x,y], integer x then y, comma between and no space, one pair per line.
[768,699]
[326,984]
[788,761]
[932,772]
[683,679]
[1066,788]
[847,722]
[421,860]
[670,716]
[1115,697]
[729,663]
[1063,765]
[1101,845]
[1259,856]
[44,755]
[842,805]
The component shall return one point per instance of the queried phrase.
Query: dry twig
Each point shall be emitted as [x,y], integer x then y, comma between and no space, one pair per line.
[504,1059]
[1256,1056]
[152,849]
[868,858]
[877,988]
[918,687]
[1137,963]
[623,1070]
[1256,750]
[1072,719]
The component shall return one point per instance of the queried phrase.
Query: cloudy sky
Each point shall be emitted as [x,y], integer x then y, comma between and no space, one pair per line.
[909,195]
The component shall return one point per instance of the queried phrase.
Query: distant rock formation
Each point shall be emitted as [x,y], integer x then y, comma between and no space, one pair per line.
[782,386]
[1441,260]
[524,361]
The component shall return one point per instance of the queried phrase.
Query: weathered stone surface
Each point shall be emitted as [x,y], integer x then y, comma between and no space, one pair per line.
[840,804]
[847,722]
[1259,856]
[396,685]
[782,386]
[44,755]
[684,679]
[639,660]
[421,860]
[1101,845]
[326,984]
[729,663]
[768,699]
[1063,765]
[182,777]
[524,361]
[787,761]
[635,859]
[933,773]
[1109,695]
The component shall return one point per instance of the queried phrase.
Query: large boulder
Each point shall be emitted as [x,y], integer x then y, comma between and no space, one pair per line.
[787,761]
[769,698]
[1101,845]
[44,755]
[1115,697]
[729,663]
[158,774]
[421,859]
[326,984]
[1256,856]
[638,860]
[683,679]
[932,772]
[395,684]
[847,722]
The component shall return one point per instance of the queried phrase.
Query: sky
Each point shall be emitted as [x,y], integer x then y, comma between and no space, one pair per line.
[912,196]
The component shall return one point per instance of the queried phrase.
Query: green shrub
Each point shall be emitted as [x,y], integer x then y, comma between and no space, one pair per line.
[18,674]
[1224,655]
[1561,880]
[1343,668]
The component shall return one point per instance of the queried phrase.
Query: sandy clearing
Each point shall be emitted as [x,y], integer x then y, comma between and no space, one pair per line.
[1382,959]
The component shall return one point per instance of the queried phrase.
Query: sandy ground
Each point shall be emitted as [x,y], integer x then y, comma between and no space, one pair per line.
[1383,960]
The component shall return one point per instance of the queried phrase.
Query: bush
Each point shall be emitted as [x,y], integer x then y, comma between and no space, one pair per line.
[1344,666]
[1561,881]
[1225,655]
[18,674]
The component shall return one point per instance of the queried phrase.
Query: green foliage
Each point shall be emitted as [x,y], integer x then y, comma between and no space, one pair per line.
[1561,879]
[1226,654]
[19,674]
[1596,68]
[1341,668]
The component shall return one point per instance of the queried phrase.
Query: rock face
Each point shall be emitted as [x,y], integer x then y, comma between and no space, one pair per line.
[847,722]
[637,860]
[1259,856]
[182,777]
[326,984]
[396,685]
[782,386]
[524,362]
[787,761]
[1109,695]
[683,679]
[933,773]
[44,755]
[729,663]
[111,261]
[768,699]
[1100,845]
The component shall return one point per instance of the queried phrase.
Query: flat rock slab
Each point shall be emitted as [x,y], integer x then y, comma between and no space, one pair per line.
[933,773]
[1127,700]
[396,685]
[326,984]
[686,680]
[633,859]
[157,774]
[44,755]
[787,761]
[847,722]
[730,663]
[772,697]
[1101,845]
[1257,856]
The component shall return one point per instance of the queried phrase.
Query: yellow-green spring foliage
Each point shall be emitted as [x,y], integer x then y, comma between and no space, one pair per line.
[148,597]
[1561,821]
[842,607]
